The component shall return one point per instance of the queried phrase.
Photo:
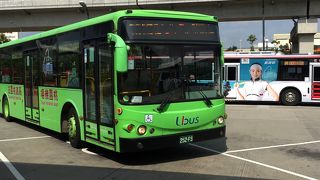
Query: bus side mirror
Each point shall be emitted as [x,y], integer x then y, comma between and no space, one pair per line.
[120,52]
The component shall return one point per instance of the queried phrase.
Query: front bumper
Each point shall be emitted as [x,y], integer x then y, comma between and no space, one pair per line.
[151,143]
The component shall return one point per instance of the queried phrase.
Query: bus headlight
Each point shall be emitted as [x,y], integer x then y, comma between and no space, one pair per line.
[142,130]
[220,120]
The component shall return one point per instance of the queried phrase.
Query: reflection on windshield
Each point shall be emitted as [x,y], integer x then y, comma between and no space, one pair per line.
[158,71]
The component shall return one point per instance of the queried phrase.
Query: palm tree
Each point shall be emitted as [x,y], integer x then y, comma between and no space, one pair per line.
[3,38]
[276,43]
[251,39]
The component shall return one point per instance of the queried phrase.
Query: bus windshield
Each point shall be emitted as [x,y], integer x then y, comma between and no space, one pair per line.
[178,72]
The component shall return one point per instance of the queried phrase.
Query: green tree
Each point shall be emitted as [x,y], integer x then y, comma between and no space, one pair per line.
[251,39]
[3,38]
[232,48]
[285,48]
[276,43]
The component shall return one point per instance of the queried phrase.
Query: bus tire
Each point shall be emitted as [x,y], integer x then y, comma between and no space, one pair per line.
[73,128]
[290,97]
[6,110]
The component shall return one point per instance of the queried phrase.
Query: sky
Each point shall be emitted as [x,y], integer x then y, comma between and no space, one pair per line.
[232,33]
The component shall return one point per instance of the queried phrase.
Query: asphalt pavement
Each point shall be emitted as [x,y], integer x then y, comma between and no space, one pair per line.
[263,142]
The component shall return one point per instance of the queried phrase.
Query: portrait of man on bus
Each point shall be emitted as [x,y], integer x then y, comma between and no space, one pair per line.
[256,87]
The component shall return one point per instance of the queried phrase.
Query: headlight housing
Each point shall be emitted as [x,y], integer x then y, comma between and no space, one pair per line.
[220,120]
[142,130]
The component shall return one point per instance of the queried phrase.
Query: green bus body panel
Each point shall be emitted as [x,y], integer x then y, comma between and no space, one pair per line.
[178,118]
[91,130]
[15,95]
[103,145]
[50,105]
[107,135]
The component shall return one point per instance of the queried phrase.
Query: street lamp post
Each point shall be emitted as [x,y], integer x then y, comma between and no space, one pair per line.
[84,6]
[263,27]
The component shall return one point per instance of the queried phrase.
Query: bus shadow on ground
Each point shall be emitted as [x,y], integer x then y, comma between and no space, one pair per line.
[169,154]
[51,171]
[62,137]
[176,153]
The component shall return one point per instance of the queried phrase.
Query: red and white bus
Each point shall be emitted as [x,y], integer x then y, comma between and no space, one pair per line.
[289,79]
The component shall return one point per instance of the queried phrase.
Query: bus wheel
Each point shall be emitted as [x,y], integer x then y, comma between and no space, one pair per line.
[290,97]
[74,129]
[6,109]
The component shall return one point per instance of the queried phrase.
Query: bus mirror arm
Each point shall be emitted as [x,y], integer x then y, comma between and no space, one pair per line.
[120,52]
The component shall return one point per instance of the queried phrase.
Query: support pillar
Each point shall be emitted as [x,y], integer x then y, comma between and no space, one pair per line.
[302,35]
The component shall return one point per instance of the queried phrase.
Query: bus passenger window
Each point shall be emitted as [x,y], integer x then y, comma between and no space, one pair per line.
[69,59]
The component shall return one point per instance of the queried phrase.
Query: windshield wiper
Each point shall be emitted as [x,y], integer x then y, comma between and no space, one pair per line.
[205,98]
[166,100]
[164,103]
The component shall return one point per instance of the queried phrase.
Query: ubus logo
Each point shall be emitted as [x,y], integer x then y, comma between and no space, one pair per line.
[185,121]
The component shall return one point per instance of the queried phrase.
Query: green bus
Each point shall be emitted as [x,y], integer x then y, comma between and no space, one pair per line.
[127,81]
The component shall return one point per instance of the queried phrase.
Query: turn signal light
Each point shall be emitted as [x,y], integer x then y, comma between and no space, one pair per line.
[119,111]
[129,127]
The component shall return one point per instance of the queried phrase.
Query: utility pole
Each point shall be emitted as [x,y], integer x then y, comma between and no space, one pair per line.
[263,27]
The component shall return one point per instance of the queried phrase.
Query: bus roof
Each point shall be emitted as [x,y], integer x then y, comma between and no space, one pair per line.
[114,16]
[272,56]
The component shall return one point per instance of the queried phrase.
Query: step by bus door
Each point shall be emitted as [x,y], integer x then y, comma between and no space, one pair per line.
[98,90]
[315,83]
[31,86]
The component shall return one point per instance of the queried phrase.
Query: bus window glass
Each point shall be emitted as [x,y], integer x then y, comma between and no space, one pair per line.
[293,70]
[316,74]
[105,71]
[155,71]
[5,57]
[18,65]
[231,73]
[48,61]
[90,83]
[69,59]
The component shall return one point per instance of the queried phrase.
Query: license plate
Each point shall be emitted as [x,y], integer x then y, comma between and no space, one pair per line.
[186,139]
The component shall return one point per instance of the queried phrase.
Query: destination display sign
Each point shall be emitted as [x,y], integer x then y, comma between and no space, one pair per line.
[169,30]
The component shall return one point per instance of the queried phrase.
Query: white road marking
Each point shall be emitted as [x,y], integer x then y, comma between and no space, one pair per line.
[273,107]
[256,162]
[19,139]
[13,170]
[85,150]
[276,146]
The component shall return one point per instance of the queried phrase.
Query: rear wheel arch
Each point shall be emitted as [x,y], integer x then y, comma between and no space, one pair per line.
[6,108]
[70,124]
[64,112]
[290,96]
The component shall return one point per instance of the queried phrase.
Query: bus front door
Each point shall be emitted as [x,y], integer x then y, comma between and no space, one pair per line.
[231,76]
[315,86]
[31,86]
[98,98]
